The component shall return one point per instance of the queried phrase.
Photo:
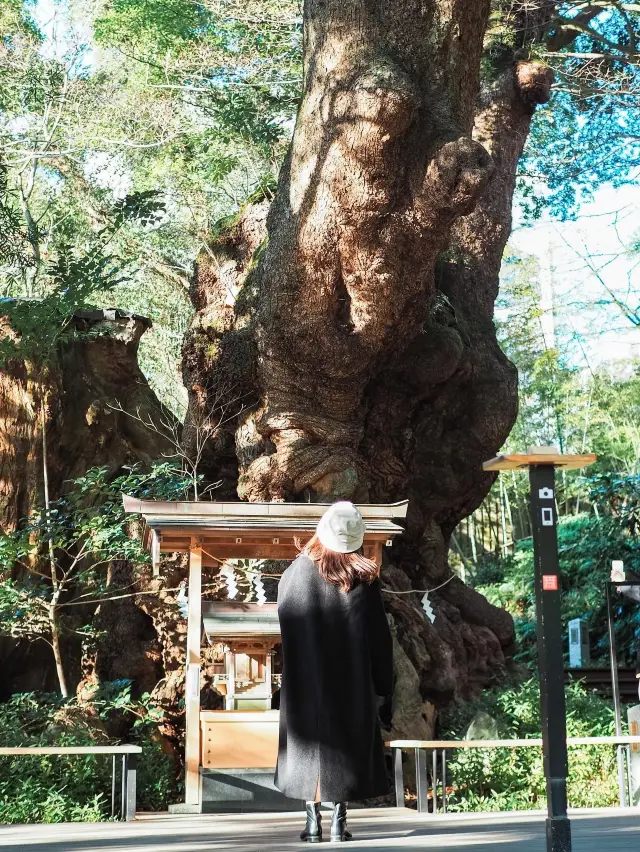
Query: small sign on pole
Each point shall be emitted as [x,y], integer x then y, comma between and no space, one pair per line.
[547,516]
[579,648]
[617,571]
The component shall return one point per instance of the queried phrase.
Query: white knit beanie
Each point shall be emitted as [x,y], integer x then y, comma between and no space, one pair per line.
[341,528]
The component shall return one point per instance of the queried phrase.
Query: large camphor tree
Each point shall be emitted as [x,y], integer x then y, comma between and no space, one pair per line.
[355,312]
[348,317]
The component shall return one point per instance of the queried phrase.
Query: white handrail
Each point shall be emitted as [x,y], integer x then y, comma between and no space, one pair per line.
[527,743]
[129,763]
[421,747]
[119,749]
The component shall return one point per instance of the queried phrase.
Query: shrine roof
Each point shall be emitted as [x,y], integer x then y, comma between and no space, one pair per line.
[237,620]
[234,514]
[259,530]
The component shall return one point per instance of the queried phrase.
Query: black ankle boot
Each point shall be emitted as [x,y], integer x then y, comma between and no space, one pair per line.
[313,830]
[339,822]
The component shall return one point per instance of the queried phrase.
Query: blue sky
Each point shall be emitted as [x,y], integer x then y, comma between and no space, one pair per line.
[578,261]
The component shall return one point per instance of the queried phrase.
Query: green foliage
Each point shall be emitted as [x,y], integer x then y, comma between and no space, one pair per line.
[191,101]
[619,497]
[587,545]
[589,134]
[87,529]
[513,779]
[73,276]
[159,25]
[575,148]
[13,239]
[239,67]
[499,42]
[548,386]
[571,408]
[55,788]
[576,410]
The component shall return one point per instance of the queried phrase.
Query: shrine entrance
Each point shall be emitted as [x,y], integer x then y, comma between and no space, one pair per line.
[243,737]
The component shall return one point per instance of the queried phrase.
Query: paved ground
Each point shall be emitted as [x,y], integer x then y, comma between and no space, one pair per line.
[375,830]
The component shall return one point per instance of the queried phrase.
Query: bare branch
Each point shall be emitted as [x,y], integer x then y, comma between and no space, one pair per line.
[564,34]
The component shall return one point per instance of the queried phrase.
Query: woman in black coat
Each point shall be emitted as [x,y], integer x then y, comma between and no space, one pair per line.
[337,657]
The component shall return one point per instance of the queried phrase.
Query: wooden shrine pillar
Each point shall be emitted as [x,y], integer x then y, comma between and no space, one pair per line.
[192,682]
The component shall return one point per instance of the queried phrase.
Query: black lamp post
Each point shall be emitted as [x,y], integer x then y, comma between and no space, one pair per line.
[542,463]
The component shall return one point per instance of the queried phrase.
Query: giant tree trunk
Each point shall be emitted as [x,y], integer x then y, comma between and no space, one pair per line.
[71,403]
[357,319]
[77,392]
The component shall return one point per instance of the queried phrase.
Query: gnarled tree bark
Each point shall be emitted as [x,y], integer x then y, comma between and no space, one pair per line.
[357,317]
[70,401]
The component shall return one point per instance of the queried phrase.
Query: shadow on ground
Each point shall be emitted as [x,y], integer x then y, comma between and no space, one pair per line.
[376,831]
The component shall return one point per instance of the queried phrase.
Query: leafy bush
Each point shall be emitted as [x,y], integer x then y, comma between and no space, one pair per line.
[586,545]
[57,788]
[82,533]
[513,779]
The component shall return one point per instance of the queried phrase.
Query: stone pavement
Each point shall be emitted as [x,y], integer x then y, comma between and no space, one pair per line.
[376,830]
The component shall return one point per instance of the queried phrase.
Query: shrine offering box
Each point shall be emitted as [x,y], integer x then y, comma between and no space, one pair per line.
[235,739]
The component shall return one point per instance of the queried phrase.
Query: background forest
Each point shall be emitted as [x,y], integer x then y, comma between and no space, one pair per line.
[135,136]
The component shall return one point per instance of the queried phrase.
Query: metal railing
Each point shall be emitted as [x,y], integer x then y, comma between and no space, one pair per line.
[129,755]
[439,748]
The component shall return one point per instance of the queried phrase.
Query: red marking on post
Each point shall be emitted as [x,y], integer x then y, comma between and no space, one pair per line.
[550,582]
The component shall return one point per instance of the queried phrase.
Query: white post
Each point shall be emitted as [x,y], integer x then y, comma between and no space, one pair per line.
[155,552]
[268,677]
[230,659]
[192,685]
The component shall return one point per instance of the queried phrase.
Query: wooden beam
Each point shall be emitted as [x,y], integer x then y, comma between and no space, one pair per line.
[179,538]
[225,547]
[239,551]
[376,553]
[251,536]
[192,682]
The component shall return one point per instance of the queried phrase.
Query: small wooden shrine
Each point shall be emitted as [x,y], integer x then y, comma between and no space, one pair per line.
[249,632]
[243,737]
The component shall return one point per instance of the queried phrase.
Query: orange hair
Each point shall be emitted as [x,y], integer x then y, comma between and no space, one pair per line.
[340,569]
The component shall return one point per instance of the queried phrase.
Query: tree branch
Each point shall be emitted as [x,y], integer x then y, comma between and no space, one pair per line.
[572,25]
[564,34]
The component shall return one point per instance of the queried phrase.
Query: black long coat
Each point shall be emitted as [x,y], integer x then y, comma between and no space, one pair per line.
[337,656]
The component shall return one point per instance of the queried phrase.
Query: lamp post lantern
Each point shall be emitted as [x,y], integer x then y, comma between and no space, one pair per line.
[541,462]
